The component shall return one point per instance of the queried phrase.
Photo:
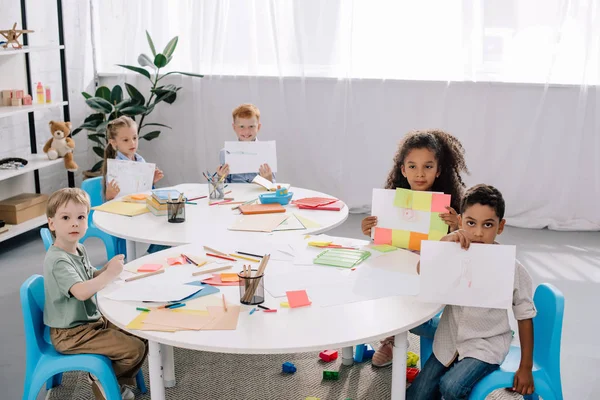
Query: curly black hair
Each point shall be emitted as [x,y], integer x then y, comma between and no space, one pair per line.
[486,195]
[449,154]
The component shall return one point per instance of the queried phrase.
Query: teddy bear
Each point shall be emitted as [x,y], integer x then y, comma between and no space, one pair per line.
[61,145]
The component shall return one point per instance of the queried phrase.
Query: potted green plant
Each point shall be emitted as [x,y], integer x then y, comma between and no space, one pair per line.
[109,104]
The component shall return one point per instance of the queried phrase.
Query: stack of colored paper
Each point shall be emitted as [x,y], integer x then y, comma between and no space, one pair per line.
[344,258]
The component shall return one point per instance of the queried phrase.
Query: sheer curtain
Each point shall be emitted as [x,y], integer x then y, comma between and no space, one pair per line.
[339,82]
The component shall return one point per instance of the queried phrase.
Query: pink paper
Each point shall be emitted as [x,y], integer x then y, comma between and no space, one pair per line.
[216,281]
[298,298]
[149,268]
[439,202]
[176,261]
[382,236]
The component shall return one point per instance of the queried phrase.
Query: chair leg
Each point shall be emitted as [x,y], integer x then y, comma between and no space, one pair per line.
[141,384]
[53,382]
[426,345]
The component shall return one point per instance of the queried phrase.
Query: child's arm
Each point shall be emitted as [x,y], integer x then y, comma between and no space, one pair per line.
[367,224]
[120,257]
[84,290]
[223,170]
[265,171]
[523,382]
[450,218]
[158,175]
[112,190]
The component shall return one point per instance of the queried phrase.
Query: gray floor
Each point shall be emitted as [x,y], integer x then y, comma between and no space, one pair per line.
[569,260]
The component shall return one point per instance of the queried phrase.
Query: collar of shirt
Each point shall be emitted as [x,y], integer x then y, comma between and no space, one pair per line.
[121,156]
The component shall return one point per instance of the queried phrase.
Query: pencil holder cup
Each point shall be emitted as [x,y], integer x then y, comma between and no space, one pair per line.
[216,190]
[176,211]
[252,289]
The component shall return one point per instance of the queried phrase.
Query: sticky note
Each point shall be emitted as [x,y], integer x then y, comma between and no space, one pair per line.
[403,198]
[421,201]
[415,240]
[298,298]
[401,238]
[229,277]
[319,244]
[439,202]
[176,261]
[382,236]
[436,235]
[437,224]
[284,304]
[149,268]
[384,248]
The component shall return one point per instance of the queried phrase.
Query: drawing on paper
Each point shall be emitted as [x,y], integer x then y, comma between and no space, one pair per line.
[465,278]
[132,177]
[406,217]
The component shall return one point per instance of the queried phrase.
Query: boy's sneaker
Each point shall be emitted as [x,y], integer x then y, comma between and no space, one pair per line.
[98,390]
[383,357]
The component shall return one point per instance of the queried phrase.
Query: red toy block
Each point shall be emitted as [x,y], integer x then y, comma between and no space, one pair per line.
[411,374]
[328,355]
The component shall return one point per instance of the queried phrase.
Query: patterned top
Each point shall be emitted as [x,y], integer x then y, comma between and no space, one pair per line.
[482,333]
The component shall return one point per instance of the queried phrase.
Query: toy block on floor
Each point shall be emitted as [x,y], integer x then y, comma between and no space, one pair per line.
[288,368]
[331,375]
[411,359]
[369,352]
[359,353]
[328,355]
[411,374]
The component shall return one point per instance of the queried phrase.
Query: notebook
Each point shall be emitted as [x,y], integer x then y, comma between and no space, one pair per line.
[250,209]
[267,184]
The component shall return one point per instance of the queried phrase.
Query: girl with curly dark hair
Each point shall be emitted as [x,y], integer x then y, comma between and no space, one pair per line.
[430,160]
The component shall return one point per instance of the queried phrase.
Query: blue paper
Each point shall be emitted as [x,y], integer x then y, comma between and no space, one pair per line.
[204,291]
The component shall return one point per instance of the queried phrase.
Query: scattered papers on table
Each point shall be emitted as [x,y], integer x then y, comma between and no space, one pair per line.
[122,208]
[149,267]
[298,298]
[344,258]
[258,223]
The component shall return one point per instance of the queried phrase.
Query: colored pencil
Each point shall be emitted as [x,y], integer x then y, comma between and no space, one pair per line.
[221,257]
[206,248]
[249,254]
[244,258]
[135,278]
[211,270]
[224,302]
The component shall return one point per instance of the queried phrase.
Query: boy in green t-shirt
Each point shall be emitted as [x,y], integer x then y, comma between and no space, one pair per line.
[70,285]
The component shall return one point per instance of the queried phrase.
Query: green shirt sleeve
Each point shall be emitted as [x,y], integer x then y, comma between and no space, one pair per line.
[65,275]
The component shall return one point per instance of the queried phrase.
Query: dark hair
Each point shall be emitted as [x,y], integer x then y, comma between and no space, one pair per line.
[485,195]
[450,156]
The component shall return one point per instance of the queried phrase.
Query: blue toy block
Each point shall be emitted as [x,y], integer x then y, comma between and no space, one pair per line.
[288,368]
[369,352]
[359,353]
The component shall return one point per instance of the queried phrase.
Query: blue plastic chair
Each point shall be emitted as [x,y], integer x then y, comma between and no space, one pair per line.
[106,239]
[44,363]
[547,334]
[93,187]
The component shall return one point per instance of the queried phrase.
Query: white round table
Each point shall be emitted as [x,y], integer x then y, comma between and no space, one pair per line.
[311,328]
[204,221]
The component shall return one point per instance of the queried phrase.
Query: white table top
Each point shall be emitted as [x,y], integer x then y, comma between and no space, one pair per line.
[311,328]
[204,221]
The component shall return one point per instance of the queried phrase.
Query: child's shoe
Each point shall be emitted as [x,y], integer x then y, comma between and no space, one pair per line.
[98,390]
[383,357]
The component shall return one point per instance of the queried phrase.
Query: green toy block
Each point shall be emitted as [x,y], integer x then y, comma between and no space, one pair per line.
[331,375]
[411,359]
[312,398]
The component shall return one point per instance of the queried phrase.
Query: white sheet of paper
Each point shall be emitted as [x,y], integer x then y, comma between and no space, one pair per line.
[131,176]
[391,217]
[154,291]
[292,223]
[482,276]
[246,157]
[258,223]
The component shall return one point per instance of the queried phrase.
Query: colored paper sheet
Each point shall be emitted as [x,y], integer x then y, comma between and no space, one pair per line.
[383,248]
[308,223]
[403,198]
[171,319]
[298,298]
[176,261]
[401,238]
[439,202]
[415,240]
[229,277]
[382,236]
[421,201]
[149,267]
[122,208]
[215,280]
[437,224]
[221,319]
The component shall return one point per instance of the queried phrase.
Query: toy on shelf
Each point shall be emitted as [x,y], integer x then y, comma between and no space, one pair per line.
[411,359]
[12,36]
[411,374]
[331,375]
[288,368]
[328,355]
[281,196]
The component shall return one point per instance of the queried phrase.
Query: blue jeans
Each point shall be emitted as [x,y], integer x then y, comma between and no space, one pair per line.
[155,248]
[454,382]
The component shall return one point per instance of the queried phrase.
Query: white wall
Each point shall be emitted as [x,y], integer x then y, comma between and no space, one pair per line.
[45,68]
[540,146]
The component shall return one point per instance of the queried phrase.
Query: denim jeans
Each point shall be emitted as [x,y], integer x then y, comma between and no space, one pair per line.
[437,381]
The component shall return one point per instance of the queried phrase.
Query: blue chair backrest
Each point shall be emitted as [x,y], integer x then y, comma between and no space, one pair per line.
[46,237]
[547,333]
[32,306]
[93,187]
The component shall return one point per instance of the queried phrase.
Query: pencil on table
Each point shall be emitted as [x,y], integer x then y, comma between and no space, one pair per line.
[135,278]
[224,302]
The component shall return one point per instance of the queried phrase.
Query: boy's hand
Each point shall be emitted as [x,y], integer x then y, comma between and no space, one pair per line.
[112,190]
[115,266]
[368,223]
[265,171]
[450,218]
[223,170]
[523,382]
[158,175]
[460,236]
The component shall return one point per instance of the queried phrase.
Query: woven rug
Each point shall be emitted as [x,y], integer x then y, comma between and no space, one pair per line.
[202,375]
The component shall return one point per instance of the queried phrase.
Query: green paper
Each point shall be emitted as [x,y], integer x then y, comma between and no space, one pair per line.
[384,248]
[343,258]
[400,238]
[403,198]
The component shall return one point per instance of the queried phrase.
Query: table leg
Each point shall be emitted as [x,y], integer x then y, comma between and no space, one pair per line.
[168,363]
[155,369]
[131,255]
[399,367]
[348,355]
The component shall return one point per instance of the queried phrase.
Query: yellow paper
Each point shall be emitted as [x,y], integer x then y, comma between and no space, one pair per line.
[284,304]
[308,223]
[400,238]
[421,201]
[319,244]
[123,208]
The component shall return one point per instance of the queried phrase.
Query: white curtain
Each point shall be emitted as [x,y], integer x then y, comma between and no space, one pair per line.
[339,82]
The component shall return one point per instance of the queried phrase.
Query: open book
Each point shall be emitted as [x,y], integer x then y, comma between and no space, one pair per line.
[259,180]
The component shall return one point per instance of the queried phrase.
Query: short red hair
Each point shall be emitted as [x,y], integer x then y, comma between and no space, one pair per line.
[246,110]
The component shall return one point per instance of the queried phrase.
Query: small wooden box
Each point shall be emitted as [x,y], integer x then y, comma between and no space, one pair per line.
[23,207]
